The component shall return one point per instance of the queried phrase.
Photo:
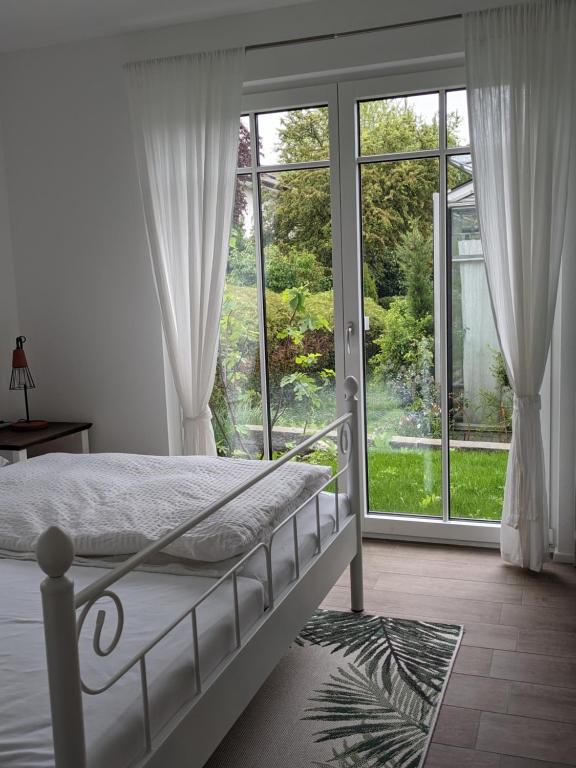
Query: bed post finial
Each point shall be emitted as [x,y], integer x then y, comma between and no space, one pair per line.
[354,485]
[55,554]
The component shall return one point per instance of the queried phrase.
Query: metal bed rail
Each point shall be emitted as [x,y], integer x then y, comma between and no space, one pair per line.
[231,575]
[60,603]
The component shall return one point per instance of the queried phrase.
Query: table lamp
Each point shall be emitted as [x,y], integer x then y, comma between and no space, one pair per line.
[22,379]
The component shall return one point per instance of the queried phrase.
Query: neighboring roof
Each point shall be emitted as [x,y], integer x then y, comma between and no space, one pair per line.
[463,195]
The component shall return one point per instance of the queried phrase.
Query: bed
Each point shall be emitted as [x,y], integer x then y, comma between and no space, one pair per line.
[150,662]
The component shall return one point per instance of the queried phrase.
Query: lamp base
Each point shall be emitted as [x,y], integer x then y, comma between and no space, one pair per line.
[25,426]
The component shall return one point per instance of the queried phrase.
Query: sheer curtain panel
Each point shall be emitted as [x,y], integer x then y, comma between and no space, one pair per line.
[521,70]
[185,118]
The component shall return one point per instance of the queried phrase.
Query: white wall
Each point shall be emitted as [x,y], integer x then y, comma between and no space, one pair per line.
[10,402]
[85,294]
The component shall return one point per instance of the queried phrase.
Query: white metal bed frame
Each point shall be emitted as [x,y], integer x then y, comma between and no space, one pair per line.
[192,735]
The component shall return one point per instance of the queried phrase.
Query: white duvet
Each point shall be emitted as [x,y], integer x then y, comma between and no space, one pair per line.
[116,503]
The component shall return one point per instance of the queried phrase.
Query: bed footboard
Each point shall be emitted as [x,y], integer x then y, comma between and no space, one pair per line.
[60,603]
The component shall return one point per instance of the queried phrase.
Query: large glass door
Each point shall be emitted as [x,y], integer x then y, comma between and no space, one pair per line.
[436,399]
[355,251]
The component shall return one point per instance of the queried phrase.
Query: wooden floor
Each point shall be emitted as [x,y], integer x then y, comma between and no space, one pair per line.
[511,699]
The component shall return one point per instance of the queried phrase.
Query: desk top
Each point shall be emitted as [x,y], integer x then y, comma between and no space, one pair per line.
[15,440]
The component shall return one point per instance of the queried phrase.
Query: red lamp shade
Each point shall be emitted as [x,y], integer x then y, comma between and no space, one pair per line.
[19,358]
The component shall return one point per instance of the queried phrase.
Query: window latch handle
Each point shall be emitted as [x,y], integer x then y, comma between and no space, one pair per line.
[349,333]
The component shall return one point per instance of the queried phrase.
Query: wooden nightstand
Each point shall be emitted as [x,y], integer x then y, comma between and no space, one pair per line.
[16,443]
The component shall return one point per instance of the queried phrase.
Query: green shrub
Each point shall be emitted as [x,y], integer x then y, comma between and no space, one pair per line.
[416,257]
[398,342]
[369,283]
[241,268]
[291,268]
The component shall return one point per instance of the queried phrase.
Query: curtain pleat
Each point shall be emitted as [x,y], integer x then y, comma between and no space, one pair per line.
[185,119]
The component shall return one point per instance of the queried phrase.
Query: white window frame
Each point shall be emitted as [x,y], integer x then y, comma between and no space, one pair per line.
[387,525]
[277,101]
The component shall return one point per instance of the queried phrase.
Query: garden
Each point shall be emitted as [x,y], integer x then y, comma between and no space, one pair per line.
[402,390]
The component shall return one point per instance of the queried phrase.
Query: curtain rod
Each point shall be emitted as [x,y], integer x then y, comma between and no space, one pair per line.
[352,33]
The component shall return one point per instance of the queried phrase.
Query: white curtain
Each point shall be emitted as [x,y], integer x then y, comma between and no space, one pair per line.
[185,119]
[521,84]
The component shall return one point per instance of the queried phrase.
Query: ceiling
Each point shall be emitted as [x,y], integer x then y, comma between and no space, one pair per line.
[35,23]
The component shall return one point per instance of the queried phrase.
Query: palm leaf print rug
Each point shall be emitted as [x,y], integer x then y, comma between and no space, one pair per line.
[353,691]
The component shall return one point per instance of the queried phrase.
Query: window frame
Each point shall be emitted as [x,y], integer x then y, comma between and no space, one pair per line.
[278,101]
[350,94]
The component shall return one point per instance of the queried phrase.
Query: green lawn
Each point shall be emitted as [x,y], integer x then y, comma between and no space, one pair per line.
[408,482]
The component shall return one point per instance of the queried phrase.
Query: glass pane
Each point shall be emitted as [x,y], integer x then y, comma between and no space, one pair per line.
[236,401]
[457,132]
[297,241]
[402,385]
[296,136]
[404,124]
[480,394]
[244,143]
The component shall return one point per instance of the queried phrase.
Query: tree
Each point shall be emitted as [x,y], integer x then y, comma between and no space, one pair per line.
[416,255]
[395,194]
[244,161]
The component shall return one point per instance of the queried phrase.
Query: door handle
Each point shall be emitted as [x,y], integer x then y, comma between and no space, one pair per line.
[349,334]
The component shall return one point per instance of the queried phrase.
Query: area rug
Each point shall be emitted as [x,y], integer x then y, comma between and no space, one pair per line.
[353,691]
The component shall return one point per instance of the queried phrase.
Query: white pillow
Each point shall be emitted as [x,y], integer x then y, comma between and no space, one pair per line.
[3,462]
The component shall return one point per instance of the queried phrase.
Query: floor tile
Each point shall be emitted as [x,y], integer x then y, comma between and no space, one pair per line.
[561,595]
[490,636]
[534,668]
[536,617]
[442,587]
[552,573]
[441,756]
[472,692]
[423,551]
[564,572]
[508,761]
[446,609]
[488,572]
[547,642]
[370,579]
[473,661]
[338,598]
[527,737]
[457,727]
[543,701]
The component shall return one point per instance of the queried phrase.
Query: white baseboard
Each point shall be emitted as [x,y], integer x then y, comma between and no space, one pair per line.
[429,540]
[563,557]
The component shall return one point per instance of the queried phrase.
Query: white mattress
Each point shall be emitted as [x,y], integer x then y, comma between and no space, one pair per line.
[114,724]
[118,503]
